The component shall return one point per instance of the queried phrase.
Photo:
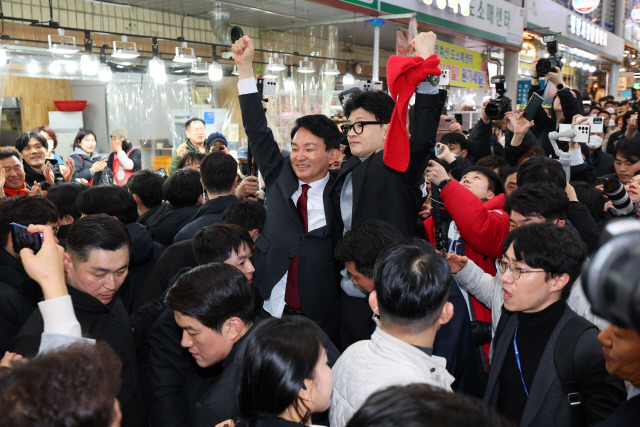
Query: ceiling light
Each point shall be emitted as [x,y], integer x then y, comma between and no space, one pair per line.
[70,66]
[89,64]
[585,67]
[275,64]
[592,69]
[199,67]
[572,64]
[157,71]
[61,44]
[55,67]
[579,64]
[633,62]
[289,83]
[235,70]
[184,54]
[563,60]
[104,73]
[33,67]
[348,79]
[215,72]
[331,68]
[4,56]
[306,67]
[124,49]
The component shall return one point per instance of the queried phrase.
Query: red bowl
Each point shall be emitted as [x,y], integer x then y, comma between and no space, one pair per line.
[70,105]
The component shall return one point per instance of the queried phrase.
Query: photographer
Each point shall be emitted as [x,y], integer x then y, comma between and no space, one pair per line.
[566,104]
[483,141]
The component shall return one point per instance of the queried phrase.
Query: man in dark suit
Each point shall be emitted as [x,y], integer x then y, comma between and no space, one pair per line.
[296,272]
[369,189]
[540,264]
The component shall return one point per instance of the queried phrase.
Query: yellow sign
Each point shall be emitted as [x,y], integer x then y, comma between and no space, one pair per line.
[466,67]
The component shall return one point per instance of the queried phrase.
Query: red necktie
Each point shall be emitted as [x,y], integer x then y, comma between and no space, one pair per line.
[291,293]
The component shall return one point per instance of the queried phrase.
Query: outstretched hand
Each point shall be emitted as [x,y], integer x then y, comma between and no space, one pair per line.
[424,44]
[456,262]
[47,266]
[243,51]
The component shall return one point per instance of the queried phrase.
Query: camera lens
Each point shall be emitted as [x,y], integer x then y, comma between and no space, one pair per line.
[543,67]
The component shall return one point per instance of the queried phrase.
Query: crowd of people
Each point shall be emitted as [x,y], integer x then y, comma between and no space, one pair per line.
[422,281]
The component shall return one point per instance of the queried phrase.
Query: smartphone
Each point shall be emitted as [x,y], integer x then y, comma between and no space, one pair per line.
[597,124]
[162,172]
[532,106]
[21,238]
[437,150]
[444,127]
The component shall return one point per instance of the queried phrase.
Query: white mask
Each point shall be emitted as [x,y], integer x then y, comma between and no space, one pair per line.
[611,110]
[612,123]
[595,142]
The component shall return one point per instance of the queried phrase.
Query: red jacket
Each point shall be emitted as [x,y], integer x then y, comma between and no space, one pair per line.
[483,226]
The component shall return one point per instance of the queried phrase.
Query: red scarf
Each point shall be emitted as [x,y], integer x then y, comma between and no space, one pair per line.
[403,76]
[13,193]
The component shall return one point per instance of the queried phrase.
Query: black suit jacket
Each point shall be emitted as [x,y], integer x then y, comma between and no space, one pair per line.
[380,192]
[283,235]
[626,415]
[547,404]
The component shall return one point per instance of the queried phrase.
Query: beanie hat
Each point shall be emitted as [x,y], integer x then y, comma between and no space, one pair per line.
[403,76]
[120,133]
[216,136]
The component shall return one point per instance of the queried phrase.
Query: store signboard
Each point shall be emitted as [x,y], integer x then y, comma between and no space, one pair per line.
[585,6]
[551,17]
[635,13]
[464,65]
[523,91]
[586,30]
[495,20]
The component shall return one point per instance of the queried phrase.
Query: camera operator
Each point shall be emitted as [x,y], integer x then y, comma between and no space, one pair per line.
[566,104]
[612,288]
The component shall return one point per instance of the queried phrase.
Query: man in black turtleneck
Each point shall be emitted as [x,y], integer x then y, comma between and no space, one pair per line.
[540,264]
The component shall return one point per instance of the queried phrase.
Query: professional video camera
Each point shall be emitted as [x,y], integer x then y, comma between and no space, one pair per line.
[546,65]
[496,108]
[611,278]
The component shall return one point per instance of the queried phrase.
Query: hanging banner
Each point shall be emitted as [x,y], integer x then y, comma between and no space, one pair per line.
[466,67]
[585,6]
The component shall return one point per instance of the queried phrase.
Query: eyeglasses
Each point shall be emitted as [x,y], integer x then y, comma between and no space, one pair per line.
[357,127]
[514,270]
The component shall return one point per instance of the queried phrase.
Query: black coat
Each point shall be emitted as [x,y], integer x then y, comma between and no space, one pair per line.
[31,174]
[166,226]
[380,192]
[283,235]
[109,323]
[19,296]
[150,216]
[208,214]
[625,415]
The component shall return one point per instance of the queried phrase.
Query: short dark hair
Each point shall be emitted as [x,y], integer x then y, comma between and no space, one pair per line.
[412,283]
[215,243]
[556,250]
[377,102]
[410,405]
[322,127]
[455,138]
[80,136]
[191,120]
[363,244]
[538,200]
[98,231]
[495,184]
[5,153]
[248,215]
[628,148]
[182,188]
[64,196]
[211,294]
[25,210]
[529,152]
[50,132]
[218,171]
[505,171]
[73,386]
[591,198]
[493,161]
[190,156]
[147,185]
[275,360]
[539,170]
[108,199]
[23,140]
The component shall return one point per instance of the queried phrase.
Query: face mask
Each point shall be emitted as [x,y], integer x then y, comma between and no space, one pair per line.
[611,110]
[612,123]
[595,142]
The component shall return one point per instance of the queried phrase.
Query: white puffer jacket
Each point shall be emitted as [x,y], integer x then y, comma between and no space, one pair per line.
[383,361]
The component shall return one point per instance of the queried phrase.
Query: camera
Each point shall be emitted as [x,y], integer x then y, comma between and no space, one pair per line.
[546,65]
[611,278]
[496,108]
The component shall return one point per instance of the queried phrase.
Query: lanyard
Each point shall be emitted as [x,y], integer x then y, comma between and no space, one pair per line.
[515,348]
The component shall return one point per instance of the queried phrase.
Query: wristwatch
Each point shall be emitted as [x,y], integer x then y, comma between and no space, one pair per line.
[443,183]
[560,86]
[434,80]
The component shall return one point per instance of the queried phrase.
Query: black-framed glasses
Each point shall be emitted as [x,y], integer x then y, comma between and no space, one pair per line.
[358,127]
[514,270]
